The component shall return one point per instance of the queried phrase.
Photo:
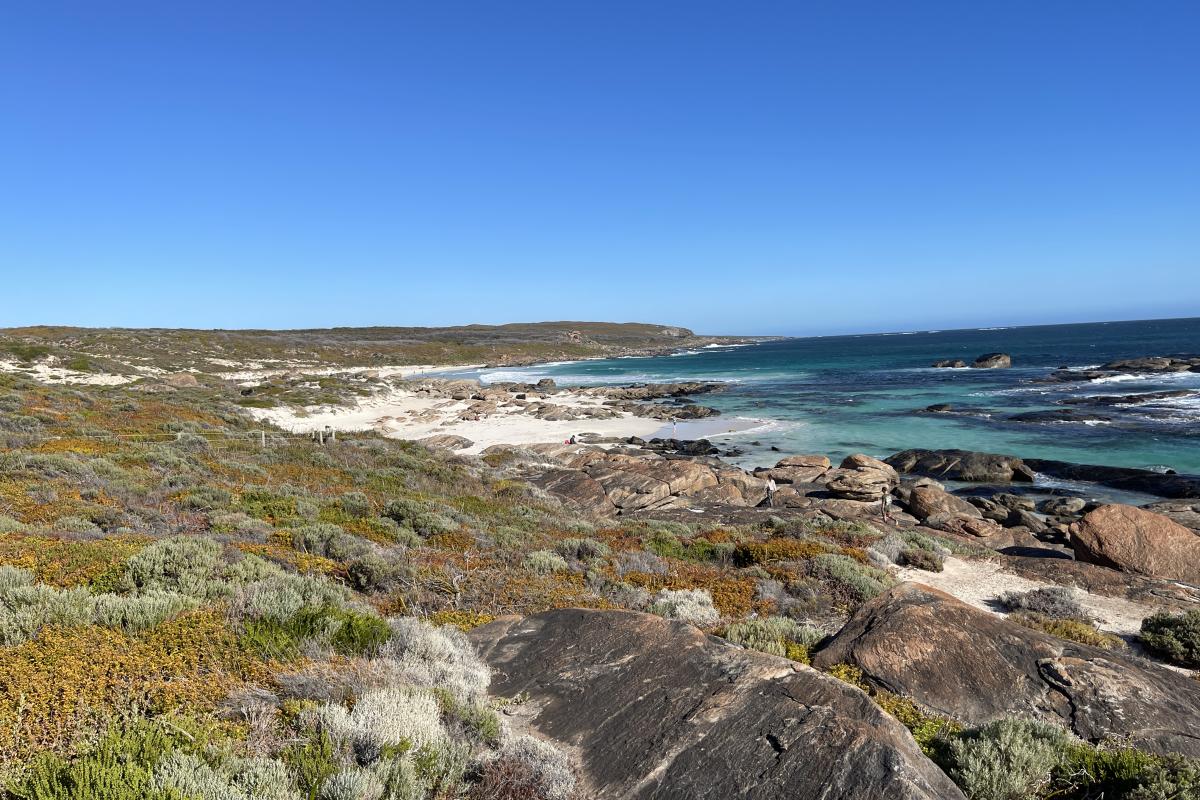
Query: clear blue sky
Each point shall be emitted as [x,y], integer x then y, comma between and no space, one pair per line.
[740,167]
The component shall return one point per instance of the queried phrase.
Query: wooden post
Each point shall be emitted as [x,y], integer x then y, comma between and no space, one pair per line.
[262,439]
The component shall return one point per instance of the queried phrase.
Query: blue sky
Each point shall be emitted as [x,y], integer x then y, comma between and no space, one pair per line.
[738,167]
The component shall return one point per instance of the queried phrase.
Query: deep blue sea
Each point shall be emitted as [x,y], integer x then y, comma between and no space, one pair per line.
[842,394]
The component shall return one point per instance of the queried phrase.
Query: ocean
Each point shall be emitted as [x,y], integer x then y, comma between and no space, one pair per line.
[845,394]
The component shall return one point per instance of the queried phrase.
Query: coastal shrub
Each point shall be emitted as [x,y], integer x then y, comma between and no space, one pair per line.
[640,561]
[1058,602]
[10,525]
[391,717]
[582,549]
[545,562]
[231,779]
[238,523]
[282,596]
[73,524]
[183,564]
[921,559]
[1076,630]
[548,766]
[779,636]
[206,498]
[353,784]
[119,767]
[782,548]
[1174,638]
[1009,759]
[356,504]
[429,656]
[141,612]
[420,517]
[851,578]
[688,605]
[373,572]
[329,540]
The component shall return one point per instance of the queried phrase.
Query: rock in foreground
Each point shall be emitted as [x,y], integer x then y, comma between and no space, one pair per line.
[957,660]
[657,709]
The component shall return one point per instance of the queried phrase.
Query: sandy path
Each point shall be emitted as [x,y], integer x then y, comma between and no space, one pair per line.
[980,583]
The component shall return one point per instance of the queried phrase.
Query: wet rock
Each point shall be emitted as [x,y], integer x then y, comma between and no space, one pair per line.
[992,361]
[1184,512]
[961,465]
[1127,399]
[1127,479]
[954,659]
[950,363]
[656,709]
[939,408]
[1058,415]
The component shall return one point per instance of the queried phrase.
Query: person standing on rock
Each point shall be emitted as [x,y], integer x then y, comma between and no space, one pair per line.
[885,504]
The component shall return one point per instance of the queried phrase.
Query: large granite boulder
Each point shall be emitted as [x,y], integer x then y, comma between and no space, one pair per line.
[926,500]
[992,361]
[796,469]
[1135,540]
[578,489]
[656,709]
[961,465]
[957,660]
[446,441]
[861,477]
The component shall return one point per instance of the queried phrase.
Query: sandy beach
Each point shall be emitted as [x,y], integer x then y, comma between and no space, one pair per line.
[408,414]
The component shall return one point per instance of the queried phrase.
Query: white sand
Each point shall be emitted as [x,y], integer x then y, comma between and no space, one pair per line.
[47,372]
[980,583]
[404,414]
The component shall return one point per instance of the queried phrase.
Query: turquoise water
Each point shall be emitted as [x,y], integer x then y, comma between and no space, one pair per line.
[844,394]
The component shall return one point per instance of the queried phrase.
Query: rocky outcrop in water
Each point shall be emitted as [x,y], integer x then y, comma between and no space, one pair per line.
[657,709]
[957,660]
[961,465]
[992,361]
[950,363]
[1154,364]
[1124,478]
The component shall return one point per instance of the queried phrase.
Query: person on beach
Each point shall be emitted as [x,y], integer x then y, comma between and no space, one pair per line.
[885,504]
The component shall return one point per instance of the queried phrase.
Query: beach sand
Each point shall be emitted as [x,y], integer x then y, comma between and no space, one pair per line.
[405,414]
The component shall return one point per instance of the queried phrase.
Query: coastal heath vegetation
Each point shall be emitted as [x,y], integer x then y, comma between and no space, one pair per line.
[190,609]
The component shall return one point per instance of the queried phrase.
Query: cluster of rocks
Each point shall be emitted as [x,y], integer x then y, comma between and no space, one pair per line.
[534,399]
[1150,365]
[985,361]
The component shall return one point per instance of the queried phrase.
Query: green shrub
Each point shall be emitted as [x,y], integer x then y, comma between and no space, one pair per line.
[1010,759]
[375,573]
[350,633]
[774,635]
[183,564]
[921,559]
[1174,638]
[852,578]
[119,767]
[545,562]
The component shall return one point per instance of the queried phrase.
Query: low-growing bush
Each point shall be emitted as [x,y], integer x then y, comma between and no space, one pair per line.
[582,549]
[431,656]
[1058,602]
[921,559]
[854,580]
[545,562]
[779,636]
[1076,630]
[1010,759]
[1175,638]
[688,605]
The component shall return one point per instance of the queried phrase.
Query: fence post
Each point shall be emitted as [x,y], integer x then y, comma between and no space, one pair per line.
[263,439]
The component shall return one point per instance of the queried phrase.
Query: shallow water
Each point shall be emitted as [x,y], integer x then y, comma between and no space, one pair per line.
[844,394]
